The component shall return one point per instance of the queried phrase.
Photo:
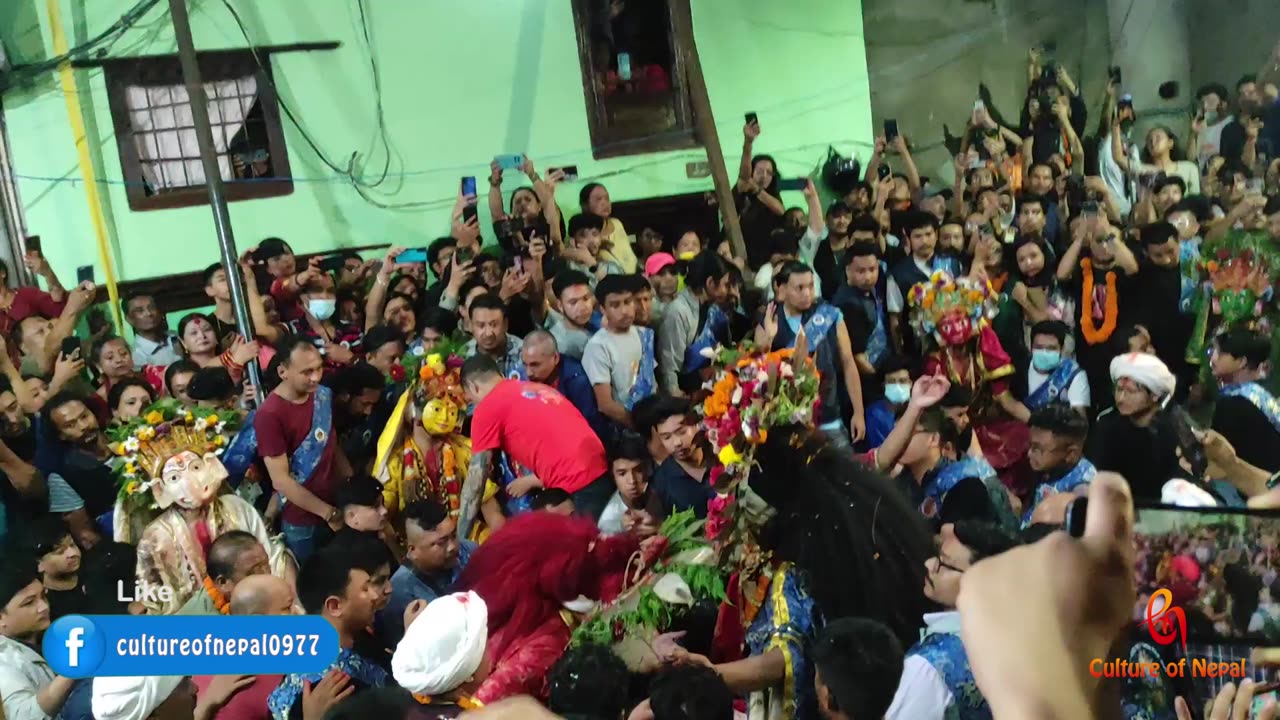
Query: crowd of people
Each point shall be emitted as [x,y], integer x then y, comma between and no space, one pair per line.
[464,456]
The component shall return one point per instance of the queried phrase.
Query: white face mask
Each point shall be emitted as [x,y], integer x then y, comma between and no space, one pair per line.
[322,308]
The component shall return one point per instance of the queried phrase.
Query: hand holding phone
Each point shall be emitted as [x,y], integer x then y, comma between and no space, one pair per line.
[890,131]
[469,187]
[510,162]
[70,347]
[753,119]
[412,257]
[794,184]
[84,274]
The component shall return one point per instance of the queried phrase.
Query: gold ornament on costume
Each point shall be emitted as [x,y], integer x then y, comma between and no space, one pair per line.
[169,455]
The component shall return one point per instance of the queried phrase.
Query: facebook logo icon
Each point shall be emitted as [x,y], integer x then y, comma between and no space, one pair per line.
[73,646]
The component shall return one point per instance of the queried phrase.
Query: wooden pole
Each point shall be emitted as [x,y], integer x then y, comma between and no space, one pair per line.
[705,122]
[213,178]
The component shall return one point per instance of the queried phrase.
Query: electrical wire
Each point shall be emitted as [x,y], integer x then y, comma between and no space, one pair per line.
[108,36]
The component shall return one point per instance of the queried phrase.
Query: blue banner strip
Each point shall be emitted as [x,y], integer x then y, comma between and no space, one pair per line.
[80,646]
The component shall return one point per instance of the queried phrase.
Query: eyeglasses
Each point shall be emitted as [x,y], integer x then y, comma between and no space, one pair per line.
[943,564]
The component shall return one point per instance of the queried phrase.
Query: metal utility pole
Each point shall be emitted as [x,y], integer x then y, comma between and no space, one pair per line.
[213,177]
[705,122]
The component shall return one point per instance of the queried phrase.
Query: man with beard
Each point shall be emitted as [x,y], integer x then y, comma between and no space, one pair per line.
[357,389]
[74,456]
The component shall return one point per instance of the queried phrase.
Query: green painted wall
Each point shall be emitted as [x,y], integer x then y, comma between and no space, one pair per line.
[462,81]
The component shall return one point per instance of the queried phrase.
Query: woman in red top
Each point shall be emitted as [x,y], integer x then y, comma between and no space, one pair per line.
[17,305]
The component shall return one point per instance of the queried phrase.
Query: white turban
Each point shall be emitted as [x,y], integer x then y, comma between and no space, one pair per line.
[131,698]
[1185,494]
[444,646]
[1146,370]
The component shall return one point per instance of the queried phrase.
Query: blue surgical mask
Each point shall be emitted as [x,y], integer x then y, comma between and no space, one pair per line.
[897,393]
[322,308]
[1045,360]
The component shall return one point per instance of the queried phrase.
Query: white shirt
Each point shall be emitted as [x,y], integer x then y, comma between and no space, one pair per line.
[147,352]
[1119,185]
[610,522]
[23,674]
[763,279]
[1078,394]
[922,693]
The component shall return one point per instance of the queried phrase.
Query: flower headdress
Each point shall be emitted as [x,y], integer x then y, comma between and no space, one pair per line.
[942,296]
[162,431]
[752,392]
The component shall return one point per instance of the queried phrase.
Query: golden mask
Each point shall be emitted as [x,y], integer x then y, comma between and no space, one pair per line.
[440,417]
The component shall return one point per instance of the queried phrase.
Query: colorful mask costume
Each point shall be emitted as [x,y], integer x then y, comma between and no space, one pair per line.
[1237,282]
[422,453]
[823,510]
[171,464]
[528,572]
[954,314]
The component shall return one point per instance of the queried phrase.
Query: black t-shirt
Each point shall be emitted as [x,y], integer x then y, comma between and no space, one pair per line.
[68,602]
[758,223]
[1249,431]
[1145,456]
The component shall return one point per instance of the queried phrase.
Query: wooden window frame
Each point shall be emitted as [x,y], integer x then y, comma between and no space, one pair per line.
[606,143]
[120,74]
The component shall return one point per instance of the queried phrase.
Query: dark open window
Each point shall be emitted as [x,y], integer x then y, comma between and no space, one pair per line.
[156,135]
[637,94]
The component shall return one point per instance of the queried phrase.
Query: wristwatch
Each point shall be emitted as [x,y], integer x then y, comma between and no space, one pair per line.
[333,516]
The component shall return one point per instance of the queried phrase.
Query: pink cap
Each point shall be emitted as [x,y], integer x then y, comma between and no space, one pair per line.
[657,262]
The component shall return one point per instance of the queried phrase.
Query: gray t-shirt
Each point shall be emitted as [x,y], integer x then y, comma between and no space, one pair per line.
[614,358]
[570,341]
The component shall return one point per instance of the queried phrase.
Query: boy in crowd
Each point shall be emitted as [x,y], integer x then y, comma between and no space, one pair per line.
[619,359]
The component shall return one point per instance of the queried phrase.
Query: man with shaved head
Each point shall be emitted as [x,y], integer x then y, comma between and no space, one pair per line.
[254,595]
[263,595]
[544,364]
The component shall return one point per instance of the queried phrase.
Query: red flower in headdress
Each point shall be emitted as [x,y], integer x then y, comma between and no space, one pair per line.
[397,372]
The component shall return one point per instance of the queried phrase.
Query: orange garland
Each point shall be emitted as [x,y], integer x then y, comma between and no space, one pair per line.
[464,702]
[215,595]
[1110,312]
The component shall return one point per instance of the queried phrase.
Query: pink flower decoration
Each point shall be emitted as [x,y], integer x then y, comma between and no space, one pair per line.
[717,471]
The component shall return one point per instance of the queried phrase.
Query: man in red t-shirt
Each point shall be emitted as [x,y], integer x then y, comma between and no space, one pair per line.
[538,429]
[282,424]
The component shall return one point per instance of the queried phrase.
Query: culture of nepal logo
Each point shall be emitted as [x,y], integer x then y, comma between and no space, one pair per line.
[1167,624]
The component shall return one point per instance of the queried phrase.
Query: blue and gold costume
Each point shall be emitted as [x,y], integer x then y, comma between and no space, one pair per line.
[787,622]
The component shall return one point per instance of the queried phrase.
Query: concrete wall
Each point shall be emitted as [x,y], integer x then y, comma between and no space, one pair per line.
[1230,38]
[927,57]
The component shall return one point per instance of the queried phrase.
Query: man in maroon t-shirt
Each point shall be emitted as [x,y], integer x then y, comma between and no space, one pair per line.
[538,429]
[282,424]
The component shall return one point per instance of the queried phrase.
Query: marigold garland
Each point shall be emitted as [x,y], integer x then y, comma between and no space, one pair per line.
[215,595]
[465,702]
[1111,307]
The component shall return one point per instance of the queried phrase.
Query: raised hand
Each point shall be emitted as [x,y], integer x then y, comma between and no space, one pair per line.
[928,390]
[318,699]
[751,131]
